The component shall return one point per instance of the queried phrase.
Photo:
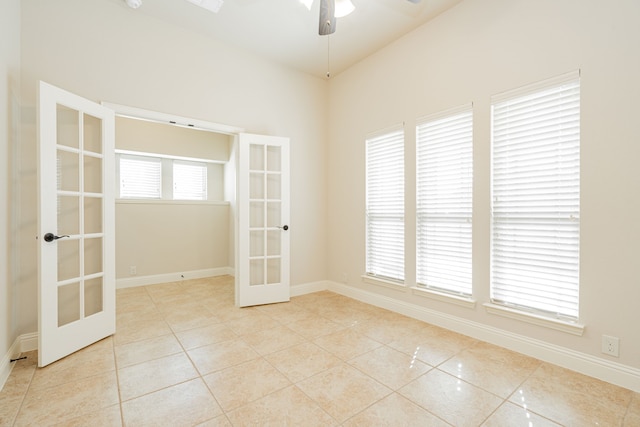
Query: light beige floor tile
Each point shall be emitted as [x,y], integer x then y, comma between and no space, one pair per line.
[387,328]
[199,337]
[145,350]
[314,327]
[227,312]
[90,361]
[153,375]
[515,416]
[21,375]
[432,345]
[273,339]
[285,312]
[57,404]
[343,391]
[192,317]
[107,417]
[16,386]
[141,330]
[492,368]
[219,421]
[633,412]
[390,367]
[346,344]
[451,399]
[254,321]
[131,303]
[286,407]
[302,361]
[165,290]
[244,383]
[567,397]
[216,357]
[9,405]
[345,316]
[394,411]
[185,404]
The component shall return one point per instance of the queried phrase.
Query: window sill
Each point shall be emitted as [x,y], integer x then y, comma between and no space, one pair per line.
[444,297]
[396,286]
[558,325]
[170,202]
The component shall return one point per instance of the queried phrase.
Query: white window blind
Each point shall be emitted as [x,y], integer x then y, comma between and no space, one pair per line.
[444,145]
[536,198]
[140,177]
[385,205]
[189,181]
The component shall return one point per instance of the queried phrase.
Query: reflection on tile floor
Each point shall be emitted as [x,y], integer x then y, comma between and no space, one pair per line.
[183,355]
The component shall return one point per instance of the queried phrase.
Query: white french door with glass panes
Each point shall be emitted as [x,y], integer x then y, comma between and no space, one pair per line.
[76,249]
[262,269]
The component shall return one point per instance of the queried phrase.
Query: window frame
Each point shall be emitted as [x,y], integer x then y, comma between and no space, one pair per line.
[501,302]
[442,139]
[166,177]
[383,212]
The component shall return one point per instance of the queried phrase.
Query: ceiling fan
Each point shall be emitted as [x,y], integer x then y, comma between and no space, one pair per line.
[327,24]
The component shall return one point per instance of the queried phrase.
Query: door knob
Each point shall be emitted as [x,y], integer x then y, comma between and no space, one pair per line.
[284,227]
[50,237]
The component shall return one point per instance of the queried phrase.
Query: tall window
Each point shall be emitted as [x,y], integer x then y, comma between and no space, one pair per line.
[385,205]
[536,198]
[444,145]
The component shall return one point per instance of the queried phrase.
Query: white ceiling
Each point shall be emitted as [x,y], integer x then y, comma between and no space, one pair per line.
[286,32]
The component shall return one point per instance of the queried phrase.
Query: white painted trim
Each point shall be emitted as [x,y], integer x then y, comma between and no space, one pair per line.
[131,282]
[308,288]
[5,364]
[444,297]
[23,343]
[612,372]
[390,284]
[28,342]
[558,325]
[155,116]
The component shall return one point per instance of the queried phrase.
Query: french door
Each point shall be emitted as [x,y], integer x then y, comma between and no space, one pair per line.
[262,269]
[76,254]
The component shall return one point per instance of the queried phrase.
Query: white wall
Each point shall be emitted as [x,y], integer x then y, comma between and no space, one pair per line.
[106,52]
[9,121]
[480,48]
[164,237]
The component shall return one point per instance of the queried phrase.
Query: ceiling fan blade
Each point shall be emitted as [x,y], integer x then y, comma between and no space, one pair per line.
[327,23]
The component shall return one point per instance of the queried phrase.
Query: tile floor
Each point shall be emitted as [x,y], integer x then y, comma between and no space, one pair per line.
[183,355]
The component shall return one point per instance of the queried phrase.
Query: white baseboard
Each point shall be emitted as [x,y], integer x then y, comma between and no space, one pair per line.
[25,342]
[5,363]
[307,288]
[131,282]
[606,370]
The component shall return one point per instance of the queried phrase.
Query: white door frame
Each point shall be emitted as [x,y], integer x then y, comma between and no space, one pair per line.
[231,169]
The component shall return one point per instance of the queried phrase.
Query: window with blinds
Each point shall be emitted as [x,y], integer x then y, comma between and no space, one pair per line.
[536,198]
[140,177]
[385,205]
[444,149]
[189,181]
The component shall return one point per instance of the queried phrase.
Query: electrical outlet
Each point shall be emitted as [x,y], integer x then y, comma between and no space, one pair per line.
[611,345]
[133,270]
[345,278]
